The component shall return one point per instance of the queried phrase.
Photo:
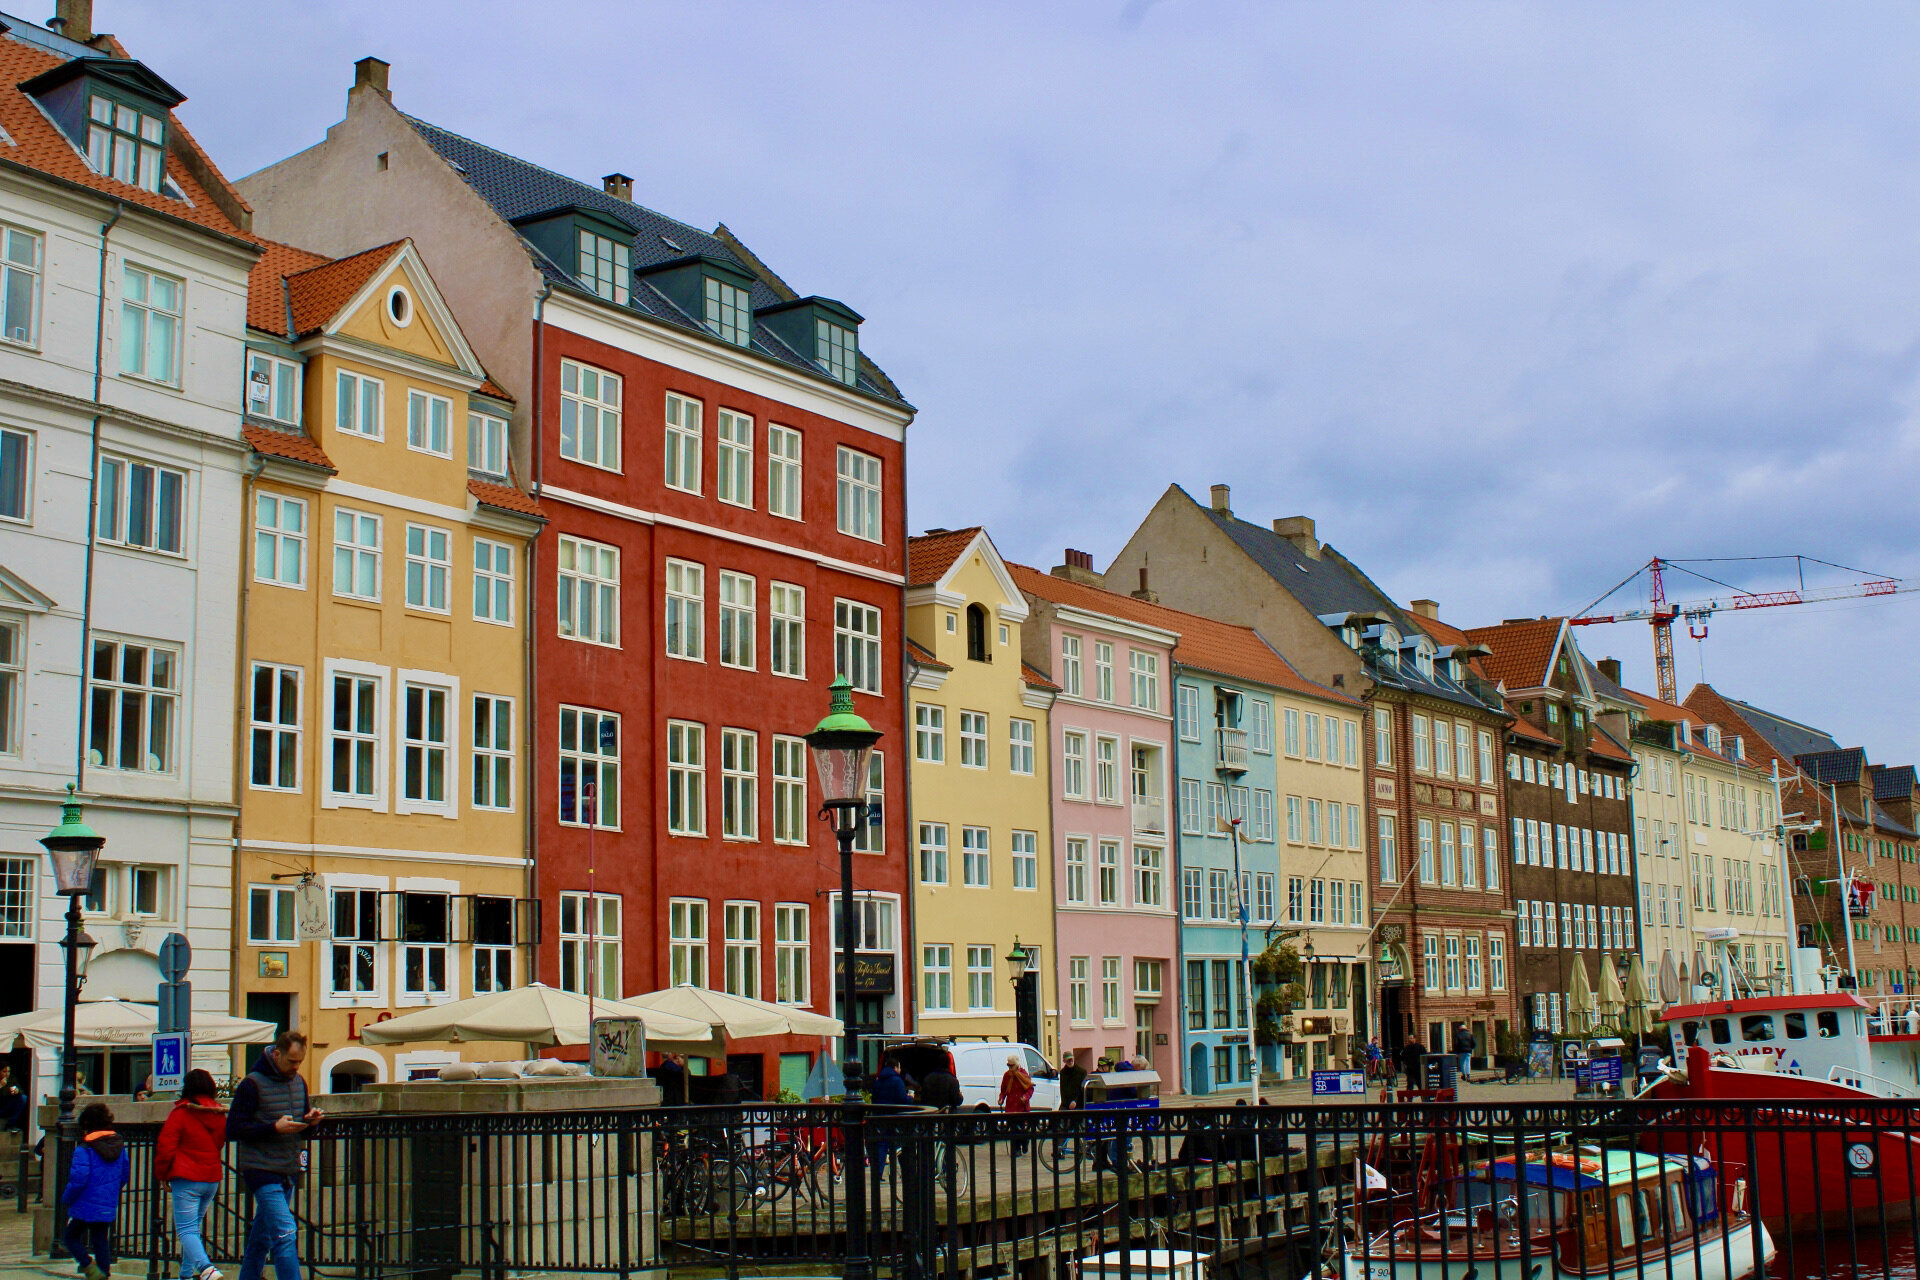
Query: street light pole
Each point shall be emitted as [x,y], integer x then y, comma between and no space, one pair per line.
[75,846]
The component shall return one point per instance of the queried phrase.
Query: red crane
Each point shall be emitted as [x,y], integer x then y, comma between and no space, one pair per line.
[1662,613]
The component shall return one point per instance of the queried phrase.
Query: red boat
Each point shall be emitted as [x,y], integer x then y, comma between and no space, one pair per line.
[1810,1168]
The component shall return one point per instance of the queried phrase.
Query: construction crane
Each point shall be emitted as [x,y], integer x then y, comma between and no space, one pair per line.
[1662,613]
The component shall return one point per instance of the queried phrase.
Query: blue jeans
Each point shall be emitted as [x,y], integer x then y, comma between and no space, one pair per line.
[90,1243]
[273,1232]
[191,1200]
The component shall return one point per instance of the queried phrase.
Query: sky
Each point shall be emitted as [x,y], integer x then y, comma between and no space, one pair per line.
[1509,297]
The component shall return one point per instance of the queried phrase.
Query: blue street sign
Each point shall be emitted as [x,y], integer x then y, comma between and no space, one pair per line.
[1604,1071]
[1339,1082]
[169,1060]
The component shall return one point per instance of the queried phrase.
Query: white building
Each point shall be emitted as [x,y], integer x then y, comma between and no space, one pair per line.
[123,273]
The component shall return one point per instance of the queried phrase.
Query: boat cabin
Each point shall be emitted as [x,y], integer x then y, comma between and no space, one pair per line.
[1823,1037]
[1595,1204]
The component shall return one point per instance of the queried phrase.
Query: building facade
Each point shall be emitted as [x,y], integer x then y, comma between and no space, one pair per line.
[122,304]
[385,644]
[983,883]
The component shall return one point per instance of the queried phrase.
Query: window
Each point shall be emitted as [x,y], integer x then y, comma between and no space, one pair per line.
[1422,744]
[838,350]
[1187,712]
[493,943]
[936,978]
[741,957]
[430,424]
[590,416]
[1144,672]
[739,785]
[1316,901]
[687,942]
[857,494]
[872,836]
[353,738]
[1447,865]
[1190,818]
[976,858]
[1076,870]
[1313,736]
[356,405]
[1077,973]
[492,751]
[16,459]
[1316,832]
[1219,895]
[1026,860]
[487,443]
[424,736]
[1382,736]
[269,914]
[1223,993]
[275,738]
[734,446]
[606,265]
[149,325]
[977,634]
[979,977]
[736,620]
[1149,876]
[12,681]
[425,936]
[1106,770]
[1103,671]
[20,268]
[1430,956]
[589,591]
[356,554]
[1496,962]
[1442,747]
[686,610]
[1294,832]
[273,387]
[126,143]
[791,966]
[1463,751]
[429,561]
[134,699]
[856,644]
[142,505]
[1070,665]
[1260,733]
[787,630]
[973,739]
[590,944]
[1425,827]
[354,953]
[1191,905]
[1073,764]
[1263,815]
[492,582]
[728,313]
[783,472]
[1020,746]
[1109,880]
[146,891]
[1469,857]
[1110,988]
[589,768]
[1389,857]
[1352,735]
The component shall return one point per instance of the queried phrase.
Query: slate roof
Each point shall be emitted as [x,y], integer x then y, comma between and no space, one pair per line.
[517,189]
[1522,651]
[1839,767]
[930,555]
[1789,737]
[1893,781]
[294,445]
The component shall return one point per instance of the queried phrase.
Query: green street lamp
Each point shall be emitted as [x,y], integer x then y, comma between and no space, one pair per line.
[75,848]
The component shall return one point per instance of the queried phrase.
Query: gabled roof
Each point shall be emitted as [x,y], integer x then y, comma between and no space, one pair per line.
[1204,644]
[1788,737]
[1523,652]
[1705,703]
[1840,767]
[1602,743]
[930,555]
[1521,728]
[316,295]
[518,189]
[1893,781]
[267,308]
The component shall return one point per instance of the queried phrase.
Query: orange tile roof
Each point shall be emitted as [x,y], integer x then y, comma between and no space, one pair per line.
[39,145]
[930,555]
[1032,675]
[506,498]
[923,656]
[1446,633]
[1525,729]
[318,293]
[266,285]
[1204,643]
[1520,651]
[1706,705]
[294,446]
[1601,743]
[491,388]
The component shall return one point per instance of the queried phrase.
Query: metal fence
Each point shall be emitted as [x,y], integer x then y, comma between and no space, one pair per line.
[1421,1189]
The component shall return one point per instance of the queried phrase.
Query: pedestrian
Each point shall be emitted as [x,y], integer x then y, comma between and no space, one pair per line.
[13,1103]
[269,1123]
[1464,1046]
[889,1086]
[100,1168]
[1412,1053]
[186,1158]
[671,1076]
[940,1089]
[1016,1094]
[1073,1083]
[1375,1057]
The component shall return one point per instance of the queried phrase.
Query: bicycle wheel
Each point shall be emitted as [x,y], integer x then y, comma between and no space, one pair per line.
[953,1170]
[1061,1155]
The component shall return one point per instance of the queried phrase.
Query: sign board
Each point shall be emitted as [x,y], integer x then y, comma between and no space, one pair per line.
[1540,1058]
[872,974]
[1572,1054]
[169,1060]
[1337,1083]
[1650,1061]
[619,1047]
[1863,1159]
[176,957]
[1605,1071]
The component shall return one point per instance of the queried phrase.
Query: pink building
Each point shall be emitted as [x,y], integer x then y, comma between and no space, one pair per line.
[1116,937]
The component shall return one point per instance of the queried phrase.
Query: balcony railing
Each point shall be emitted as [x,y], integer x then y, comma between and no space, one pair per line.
[1230,750]
[1150,815]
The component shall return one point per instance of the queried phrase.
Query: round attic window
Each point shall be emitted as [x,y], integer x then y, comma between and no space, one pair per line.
[400,306]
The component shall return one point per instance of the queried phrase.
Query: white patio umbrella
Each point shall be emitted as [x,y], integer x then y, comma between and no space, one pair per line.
[536,1014]
[113,1024]
[1640,1000]
[1672,985]
[1580,1001]
[1613,1000]
[739,1017]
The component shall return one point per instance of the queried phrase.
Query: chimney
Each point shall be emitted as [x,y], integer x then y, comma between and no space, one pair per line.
[1079,568]
[1610,668]
[1143,592]
[1299,531]
[73,19]
[1426,609]
[619,186]
[1222,499]
[371,73]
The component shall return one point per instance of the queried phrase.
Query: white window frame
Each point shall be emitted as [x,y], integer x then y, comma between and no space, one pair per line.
[1073,764]
[493,582]
[685,620]
[686,778]
[687,960]
[276,540]
[857,628]
[283,929]
[740,948]
[785,474]
[116,516]
[1070,649]
[375,995]
[733,457]
[1078,886]
[491,739]
[979,977]
[1102,671]
[16,482]
[787,630]
[140,314]
[428,683]
[144,698]
[337,669]
[1187,712]
[1020,746]
[792,953]
[486,443]
[739,784]
[590,765]
[30,267]
[356,553]
[933,850]
[13,683]
[596,949]
[976,857]
[590,415]
[429,423]
[973,739]
[789,764]
[282,381]
[587,591]
[680,457]
[858,494]
[936,977]
[359,405]
[429,576]
[738,620]
[1025,847]
[1143,679]
[405,995]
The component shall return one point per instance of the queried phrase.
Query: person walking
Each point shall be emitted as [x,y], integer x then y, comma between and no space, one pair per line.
[1464,1046]
[889,1086]
[940,1089]
[1375,1058]
[1411,1055]
[269,1123]
[186,1158]
[1073,1084]
[99,1170]
[1016,1094]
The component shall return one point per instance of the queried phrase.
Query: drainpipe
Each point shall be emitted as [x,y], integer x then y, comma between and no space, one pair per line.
[532,738]
[93,503]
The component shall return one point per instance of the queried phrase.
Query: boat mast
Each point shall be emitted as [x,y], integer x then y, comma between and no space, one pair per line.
[1786,884]
[1846,884]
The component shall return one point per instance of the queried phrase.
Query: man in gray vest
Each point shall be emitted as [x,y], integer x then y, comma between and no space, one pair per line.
[269,1122]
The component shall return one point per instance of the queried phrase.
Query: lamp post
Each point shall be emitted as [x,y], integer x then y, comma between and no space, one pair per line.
[842,744]
[1026,1004]
[75,846]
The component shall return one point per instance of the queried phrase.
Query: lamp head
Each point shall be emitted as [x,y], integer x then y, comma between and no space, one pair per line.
[75,846]
[841,745]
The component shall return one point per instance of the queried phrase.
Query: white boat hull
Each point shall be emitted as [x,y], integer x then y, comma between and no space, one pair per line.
[1716,1259]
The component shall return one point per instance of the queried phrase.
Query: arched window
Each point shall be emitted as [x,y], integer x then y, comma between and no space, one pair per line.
[977,633]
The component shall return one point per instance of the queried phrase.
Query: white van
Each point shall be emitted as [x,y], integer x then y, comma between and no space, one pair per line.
[979,1064]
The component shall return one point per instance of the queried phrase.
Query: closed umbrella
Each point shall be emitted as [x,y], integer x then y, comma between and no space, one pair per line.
[1672,985]
[1580,1001]
[112,1024]
[738,1017]
[1613,1000]
[535,1014]
[1639,999]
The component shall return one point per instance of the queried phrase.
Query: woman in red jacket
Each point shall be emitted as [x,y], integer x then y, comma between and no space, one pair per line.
[187,1157]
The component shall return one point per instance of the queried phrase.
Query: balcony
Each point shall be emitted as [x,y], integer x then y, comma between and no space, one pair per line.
[1230,750]
[1150,815]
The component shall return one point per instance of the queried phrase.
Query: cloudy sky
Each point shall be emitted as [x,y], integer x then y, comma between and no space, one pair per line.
[1509,297]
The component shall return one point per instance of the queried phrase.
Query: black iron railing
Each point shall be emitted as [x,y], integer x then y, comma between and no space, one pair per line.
[1372,1191]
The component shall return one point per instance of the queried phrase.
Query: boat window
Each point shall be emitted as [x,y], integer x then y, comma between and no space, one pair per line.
[1623,1220]
[1646,1212]
[1756,1027]
[1829,1023]
[1722,1031]
[1692,1032]
[1796,1026]
[1677,1207]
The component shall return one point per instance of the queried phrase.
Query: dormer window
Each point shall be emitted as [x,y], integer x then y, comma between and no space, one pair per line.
[838,350]
[115,110]
[1423,656]
[126,143]
[606,265]
[728,314]
[1350,636]
[1713,737]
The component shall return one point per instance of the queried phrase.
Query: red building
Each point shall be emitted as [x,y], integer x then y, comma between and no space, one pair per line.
[723,473]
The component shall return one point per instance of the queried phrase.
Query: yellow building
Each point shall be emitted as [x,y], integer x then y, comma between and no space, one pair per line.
[382,855]
[982,874]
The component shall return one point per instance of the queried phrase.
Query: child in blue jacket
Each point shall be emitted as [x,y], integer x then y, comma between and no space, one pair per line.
[100,1166]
